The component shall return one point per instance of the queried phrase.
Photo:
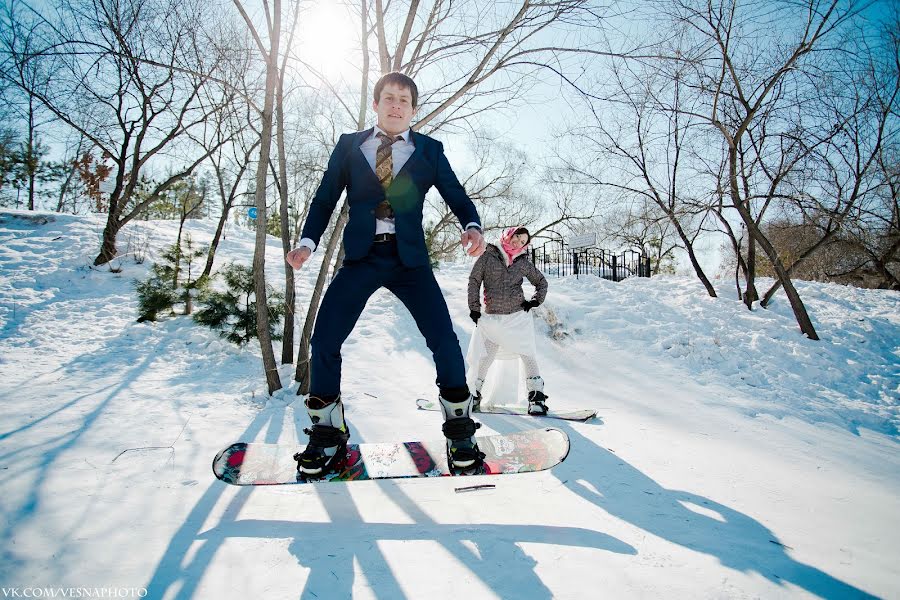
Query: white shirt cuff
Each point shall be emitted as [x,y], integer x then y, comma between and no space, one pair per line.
[308,243]
[476,226]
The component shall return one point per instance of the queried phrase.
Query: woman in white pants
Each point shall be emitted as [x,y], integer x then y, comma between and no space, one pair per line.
[506,324]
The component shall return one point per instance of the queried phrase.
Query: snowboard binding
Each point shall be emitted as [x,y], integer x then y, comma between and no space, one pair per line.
[327,448]
[313,462]
[537,399]
[463,455]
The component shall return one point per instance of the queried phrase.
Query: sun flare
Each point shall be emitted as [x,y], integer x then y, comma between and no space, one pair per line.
[328,40]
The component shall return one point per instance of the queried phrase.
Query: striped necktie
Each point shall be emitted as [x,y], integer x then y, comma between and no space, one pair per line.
[384,162]
[384,170]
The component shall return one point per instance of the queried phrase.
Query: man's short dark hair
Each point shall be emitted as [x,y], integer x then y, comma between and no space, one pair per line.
[397,78]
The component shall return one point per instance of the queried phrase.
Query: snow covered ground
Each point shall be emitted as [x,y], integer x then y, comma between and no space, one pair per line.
[732,458]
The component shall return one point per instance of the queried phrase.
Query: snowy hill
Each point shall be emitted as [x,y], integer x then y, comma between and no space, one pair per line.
[731,458]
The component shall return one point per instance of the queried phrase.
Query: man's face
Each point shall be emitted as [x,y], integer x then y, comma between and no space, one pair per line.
[394,109]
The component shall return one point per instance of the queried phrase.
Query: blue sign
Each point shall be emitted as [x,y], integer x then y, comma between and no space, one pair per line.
[251,212]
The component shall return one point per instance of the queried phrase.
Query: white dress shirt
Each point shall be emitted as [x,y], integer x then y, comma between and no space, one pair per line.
[401,150]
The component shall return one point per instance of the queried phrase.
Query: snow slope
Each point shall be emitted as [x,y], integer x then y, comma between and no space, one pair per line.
[733,458]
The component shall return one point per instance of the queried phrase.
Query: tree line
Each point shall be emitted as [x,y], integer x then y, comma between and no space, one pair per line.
[773,124]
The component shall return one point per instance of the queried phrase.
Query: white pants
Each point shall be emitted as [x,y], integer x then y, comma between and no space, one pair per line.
[498,346]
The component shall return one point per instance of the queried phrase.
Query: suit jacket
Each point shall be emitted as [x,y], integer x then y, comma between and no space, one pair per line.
[348,169]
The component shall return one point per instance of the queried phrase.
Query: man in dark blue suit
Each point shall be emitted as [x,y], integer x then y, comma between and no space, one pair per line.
[386,171]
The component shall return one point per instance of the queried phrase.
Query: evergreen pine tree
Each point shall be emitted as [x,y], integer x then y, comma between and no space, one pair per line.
[233,311]
[155,295]
[173,279]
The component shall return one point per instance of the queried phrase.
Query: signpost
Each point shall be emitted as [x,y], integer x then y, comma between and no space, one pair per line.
[585,240]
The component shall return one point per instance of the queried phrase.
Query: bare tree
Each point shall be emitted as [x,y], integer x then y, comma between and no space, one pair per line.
[495,184]
[281,179]
[20,38]
[232,133]
[847,173]
[270,55]
[641,225]
[641,148]
[127,76]
[478,57]
[69,189]
[744,84]
[303,353]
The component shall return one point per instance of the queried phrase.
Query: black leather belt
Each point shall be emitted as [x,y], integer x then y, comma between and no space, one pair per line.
[385,237]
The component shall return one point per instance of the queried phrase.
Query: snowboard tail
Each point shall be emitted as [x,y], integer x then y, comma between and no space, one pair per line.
[252,463]
[566,415]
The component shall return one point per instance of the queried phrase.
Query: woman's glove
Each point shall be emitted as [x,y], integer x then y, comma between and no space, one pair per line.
[528,305]
[474,315]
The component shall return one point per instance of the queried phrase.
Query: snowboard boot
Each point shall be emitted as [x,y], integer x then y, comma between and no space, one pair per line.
[537,400]
[476,400]
[328,437]
[459,429]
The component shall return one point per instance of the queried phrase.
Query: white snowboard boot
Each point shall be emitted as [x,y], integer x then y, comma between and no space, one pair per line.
[327,439]
[459,429]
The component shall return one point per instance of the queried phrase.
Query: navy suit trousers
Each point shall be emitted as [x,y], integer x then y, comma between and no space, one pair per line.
[346,298]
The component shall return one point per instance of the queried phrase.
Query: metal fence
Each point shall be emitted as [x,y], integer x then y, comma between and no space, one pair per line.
[557,258]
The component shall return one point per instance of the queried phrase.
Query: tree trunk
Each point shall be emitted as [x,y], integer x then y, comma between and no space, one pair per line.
[64,188]
[273,381]
[108,246]
[287,342]
[178,254]
[213,246]
[767,297]
[750,295]
[303,352]
[689,246]
[797,305]
[30,159]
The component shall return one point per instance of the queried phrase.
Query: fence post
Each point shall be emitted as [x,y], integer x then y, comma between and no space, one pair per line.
[615,268]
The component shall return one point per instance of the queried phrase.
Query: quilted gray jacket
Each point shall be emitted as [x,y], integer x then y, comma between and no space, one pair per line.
[503,285]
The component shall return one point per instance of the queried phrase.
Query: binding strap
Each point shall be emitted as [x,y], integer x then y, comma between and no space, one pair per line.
[325,436]
[460,429]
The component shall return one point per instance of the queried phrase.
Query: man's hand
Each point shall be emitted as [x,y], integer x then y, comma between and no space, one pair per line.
[298,256]
[473,242]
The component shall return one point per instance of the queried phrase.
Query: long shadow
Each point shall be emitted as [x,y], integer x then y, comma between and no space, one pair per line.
[316,548]
[102,361]
[109,358]
[331,550]
[60,409]
[53,449]
[737,540]
[498,549]
[87,407]
[505,562]
[177,577]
